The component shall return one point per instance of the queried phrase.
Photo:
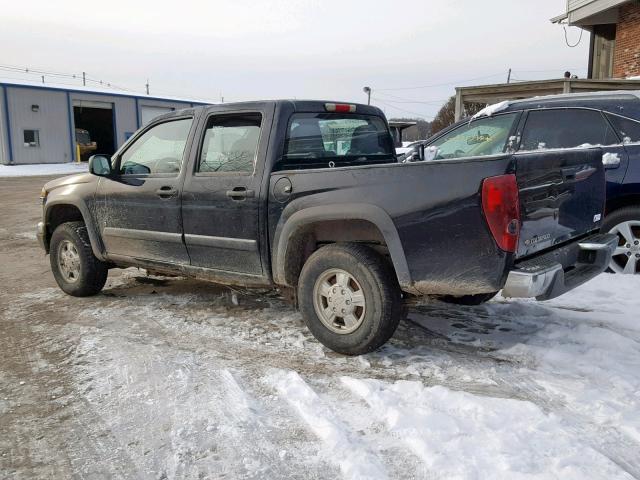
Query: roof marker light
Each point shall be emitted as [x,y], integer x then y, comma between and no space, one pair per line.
[339,107]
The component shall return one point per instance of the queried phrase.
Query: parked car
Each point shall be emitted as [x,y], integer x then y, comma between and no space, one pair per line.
[561,122]
[308,196]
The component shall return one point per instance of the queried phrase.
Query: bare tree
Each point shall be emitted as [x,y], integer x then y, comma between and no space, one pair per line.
[447,113]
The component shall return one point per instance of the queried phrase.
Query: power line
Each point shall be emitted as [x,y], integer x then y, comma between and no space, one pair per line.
[398,99]
[441,84]
[422,115]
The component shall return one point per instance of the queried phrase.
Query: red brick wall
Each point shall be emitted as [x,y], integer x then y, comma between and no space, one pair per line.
[626,57]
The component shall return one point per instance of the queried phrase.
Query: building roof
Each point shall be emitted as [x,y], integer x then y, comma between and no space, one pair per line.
[96,91]
[585,13]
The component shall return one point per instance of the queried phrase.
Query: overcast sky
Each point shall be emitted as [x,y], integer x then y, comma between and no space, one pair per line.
[324,49]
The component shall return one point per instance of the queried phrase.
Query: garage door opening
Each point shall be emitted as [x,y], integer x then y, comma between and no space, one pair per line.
[94,128]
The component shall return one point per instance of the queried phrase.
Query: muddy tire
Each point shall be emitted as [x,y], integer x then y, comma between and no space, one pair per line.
[349,298]
[477,299]
[76,269]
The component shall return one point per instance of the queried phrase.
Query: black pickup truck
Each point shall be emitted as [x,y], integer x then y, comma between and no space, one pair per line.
[308,196]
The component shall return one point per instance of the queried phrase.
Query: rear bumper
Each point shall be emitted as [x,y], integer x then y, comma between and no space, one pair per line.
[551,274]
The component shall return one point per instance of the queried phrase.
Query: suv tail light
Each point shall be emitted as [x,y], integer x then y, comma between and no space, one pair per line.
[501,207]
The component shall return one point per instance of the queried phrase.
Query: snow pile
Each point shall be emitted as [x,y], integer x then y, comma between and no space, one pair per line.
[460,435]
[492,109]
[42,169]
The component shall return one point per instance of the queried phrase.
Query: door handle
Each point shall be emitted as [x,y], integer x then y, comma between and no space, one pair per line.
[240,193]
[166,192]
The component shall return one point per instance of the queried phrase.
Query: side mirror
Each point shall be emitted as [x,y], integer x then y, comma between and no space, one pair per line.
[100,165]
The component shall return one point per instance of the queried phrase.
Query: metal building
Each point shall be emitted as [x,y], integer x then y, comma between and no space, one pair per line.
[54,124]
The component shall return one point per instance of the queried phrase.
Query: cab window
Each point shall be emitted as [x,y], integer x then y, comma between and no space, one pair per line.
[159,150]
[230,143]
[484,136]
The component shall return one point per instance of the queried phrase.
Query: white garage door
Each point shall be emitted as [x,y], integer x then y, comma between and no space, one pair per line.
[148,113]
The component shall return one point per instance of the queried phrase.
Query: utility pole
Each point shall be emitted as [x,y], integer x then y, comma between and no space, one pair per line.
[509,76]
[84,79]
[147,85]
[42,78]
[367,90]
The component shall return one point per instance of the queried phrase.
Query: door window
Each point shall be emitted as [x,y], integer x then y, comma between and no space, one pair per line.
[159,150]
[230,143]
[485,136]
[629,130]
[568,128]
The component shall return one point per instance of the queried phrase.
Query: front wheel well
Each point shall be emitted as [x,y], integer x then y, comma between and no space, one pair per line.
[59,214]
[310,237]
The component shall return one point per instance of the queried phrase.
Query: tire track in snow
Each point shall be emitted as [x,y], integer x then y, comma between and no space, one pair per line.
[355,460]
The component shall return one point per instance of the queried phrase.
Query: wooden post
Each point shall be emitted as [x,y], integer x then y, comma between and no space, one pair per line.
[459,105]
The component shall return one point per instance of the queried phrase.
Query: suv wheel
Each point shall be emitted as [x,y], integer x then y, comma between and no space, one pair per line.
[349,298]
[626,224]
[76,269]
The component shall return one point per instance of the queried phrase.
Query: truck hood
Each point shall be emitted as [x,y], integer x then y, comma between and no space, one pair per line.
[70,180]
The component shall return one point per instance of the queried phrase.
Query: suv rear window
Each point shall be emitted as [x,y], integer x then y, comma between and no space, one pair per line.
[319,140]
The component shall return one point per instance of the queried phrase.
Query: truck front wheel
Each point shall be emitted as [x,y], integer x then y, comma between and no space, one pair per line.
[76,269]
[349,298]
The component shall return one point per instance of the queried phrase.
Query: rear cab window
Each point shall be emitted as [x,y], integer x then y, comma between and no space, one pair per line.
[326,140]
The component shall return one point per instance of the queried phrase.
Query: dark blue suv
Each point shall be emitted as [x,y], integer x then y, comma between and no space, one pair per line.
[610,120]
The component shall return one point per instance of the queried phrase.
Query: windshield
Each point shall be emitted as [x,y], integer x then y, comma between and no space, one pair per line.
[316,140]
[485,136]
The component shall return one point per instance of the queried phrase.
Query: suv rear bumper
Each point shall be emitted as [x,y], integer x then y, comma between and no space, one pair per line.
[551,274]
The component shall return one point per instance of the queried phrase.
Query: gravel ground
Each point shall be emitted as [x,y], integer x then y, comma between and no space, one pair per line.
[173,378]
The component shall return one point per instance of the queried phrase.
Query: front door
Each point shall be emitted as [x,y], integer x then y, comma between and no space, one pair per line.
[138,208]
[221,202]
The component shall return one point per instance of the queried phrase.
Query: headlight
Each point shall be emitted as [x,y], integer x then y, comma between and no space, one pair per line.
[43,194]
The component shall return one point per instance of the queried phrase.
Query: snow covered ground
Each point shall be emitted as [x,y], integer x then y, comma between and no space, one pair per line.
[42,169]
[179,379]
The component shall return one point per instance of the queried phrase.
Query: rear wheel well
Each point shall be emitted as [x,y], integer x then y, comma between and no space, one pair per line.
[617,203]
[309,238]
[59,214]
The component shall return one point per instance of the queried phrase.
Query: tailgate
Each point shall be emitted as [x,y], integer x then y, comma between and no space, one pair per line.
[562,195]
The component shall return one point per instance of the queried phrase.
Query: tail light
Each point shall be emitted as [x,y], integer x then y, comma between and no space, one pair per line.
[339,107]
[501,207]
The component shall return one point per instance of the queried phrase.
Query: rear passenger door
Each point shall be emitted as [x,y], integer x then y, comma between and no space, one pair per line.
[222,204]
[560,128]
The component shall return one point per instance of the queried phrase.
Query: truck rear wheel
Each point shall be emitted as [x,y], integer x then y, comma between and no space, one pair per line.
[76,269]
[349,298]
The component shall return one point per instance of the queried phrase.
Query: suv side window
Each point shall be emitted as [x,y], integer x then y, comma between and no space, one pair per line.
[629,130]
[566,128]
[485,136]
[230,143]
[158,150]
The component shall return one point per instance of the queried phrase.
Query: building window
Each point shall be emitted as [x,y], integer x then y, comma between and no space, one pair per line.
[31,138]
